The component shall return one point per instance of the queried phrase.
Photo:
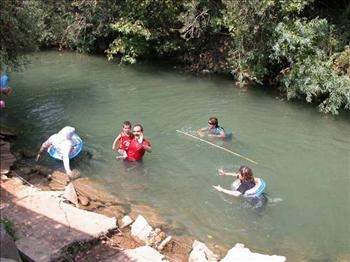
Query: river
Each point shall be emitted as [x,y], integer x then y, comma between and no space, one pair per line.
[302,155]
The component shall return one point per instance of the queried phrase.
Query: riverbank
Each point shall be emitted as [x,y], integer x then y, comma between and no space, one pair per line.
[94,224]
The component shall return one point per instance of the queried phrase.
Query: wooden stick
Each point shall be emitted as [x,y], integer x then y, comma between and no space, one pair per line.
[225,149]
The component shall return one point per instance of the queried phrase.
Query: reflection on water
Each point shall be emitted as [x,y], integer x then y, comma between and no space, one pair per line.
[302,155]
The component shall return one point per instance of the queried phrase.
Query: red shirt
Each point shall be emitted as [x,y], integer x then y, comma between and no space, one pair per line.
[136,150]
[124,142]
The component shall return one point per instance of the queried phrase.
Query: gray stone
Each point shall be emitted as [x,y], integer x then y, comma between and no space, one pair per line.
[241,254]
[8,247]
[201,253]
[140,229]
[83,200]
[126,221]
[70,194]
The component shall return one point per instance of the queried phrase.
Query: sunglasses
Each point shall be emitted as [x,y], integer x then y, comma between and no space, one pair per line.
[211,123]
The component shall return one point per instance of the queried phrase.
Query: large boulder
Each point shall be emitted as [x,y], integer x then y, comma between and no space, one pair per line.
[239,253]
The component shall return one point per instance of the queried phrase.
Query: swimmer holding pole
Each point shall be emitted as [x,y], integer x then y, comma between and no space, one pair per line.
[225,149]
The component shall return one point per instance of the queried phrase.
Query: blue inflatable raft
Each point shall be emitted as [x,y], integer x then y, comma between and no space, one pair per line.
[256,191]
[77,148]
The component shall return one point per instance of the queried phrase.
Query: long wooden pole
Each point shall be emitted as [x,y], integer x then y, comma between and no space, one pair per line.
[225,149]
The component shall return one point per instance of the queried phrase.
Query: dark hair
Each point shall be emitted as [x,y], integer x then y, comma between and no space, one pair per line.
[127,123]
[214,121]
[246,173]
[139,125]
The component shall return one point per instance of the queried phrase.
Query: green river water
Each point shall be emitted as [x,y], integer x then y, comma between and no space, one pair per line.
[302,155]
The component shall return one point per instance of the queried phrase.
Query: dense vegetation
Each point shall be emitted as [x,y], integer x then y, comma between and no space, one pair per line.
[300,47]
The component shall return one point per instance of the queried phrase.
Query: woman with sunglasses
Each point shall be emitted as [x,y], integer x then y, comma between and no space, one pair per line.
[213,129]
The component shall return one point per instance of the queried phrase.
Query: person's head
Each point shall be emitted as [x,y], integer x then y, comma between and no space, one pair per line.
[67,132]
[245,174]
[126,127]
[137,130]
[213,122]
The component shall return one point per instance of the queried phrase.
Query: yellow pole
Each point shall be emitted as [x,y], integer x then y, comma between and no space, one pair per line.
[225,149]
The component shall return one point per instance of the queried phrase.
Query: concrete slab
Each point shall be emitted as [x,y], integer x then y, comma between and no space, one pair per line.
[44,223]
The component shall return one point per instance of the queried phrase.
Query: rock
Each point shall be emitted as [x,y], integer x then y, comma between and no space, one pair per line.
[42,170]
[164,242]
[83,200]
[75,174]
[140,229]
[240,253]
[201,253]
[126,221]
[27,153]
[141,254]
[70,194]
[152,238]
[4,177]
[8,247]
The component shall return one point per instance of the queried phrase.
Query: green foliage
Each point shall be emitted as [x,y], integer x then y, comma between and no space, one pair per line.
[145,29]
[9,227]
[305,47]
[282,43]
[18,32]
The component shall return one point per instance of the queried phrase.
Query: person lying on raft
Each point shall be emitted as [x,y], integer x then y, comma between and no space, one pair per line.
[63,142]
[247,181]
[122,141]
[213,129]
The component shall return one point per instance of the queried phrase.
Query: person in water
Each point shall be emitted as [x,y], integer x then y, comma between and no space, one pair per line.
[122,141]
[247,181]
[213,129]
[138,145]
[63,142]
[4,87]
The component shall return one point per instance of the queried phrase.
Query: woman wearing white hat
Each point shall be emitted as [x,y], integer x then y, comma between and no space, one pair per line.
[64,145]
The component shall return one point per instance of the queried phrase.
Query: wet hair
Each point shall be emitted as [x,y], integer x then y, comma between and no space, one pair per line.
[246,173]
[127,123]
[214,121]
[140,126]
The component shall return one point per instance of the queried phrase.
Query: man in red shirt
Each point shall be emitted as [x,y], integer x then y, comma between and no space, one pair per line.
[138,145]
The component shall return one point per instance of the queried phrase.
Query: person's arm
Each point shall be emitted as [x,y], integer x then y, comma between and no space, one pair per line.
[226,191]
[147,146]
[224,173]
[115,142]
[65,157]
[43,147]
[201,131]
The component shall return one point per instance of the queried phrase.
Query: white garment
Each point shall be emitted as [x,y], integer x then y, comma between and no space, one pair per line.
[63,143]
